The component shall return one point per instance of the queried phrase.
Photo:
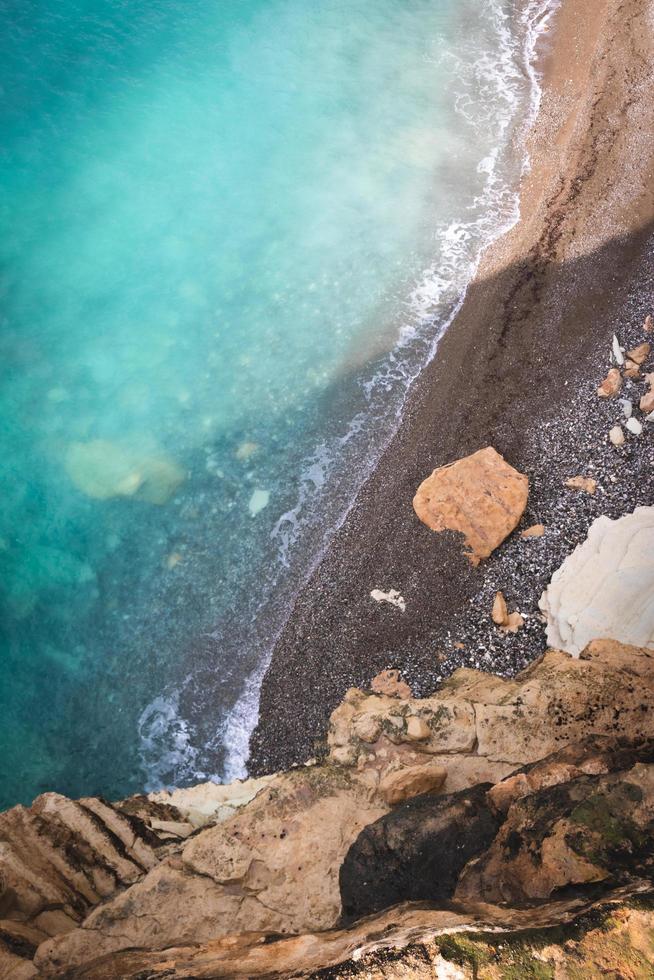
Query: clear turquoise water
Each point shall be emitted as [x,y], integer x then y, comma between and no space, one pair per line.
[230,232]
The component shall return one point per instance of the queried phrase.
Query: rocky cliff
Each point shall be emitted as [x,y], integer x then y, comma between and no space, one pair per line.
[493,805]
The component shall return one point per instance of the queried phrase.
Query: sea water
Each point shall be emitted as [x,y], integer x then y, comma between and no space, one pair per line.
[231,233]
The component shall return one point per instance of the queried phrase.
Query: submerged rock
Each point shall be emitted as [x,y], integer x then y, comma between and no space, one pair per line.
[606,586]
[103,469]
[480,496]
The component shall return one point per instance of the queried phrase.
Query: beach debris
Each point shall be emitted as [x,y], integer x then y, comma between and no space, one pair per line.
[627,407]
[585,483]
[617,351]
[605,587]
[611,384]
[500,613]
[535,531]
[481,496]
[648,325]
[392,596]
[258,500]
[634,426]
[403,784]
[640,353]
[631,369]
[388,682]
[616,435]
[508,622]
[103,469]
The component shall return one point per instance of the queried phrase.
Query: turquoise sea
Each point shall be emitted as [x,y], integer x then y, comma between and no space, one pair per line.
[231,232]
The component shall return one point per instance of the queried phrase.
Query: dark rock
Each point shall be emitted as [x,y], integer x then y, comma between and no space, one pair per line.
[416,852]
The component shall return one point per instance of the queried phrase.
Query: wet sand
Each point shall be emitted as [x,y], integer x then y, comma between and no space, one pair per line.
[518,370]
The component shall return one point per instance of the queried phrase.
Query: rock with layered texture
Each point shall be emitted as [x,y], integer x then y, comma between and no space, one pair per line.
[480,728]
[605,588]
[481,497]
[273,866]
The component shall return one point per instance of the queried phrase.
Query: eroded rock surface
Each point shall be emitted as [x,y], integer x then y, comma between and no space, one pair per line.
[480,728]
[481,496]
[606,586]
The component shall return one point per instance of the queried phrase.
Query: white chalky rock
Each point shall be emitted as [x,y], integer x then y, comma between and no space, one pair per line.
[634,426]
[605,588]
[616,435]
[393,596]
[627,407]
[617,351]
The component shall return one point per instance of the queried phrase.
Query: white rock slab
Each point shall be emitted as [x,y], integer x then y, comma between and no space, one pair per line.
[258,500]
[605,588]
[393,597]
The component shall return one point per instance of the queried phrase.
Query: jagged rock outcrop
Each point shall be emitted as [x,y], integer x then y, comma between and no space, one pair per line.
[479,728]
[480,496]
[585,818]
[87,880]
[606,586]
[273,866]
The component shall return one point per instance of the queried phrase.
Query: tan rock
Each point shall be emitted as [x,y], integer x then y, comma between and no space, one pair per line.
[648,325]
[611,384]
[481,496]
[513,623]
[406,783]
[631,369]
[211,802]
[647,402]
[499,613]
[272,867]
[417,729]
[388,682]
[535,531]
[587,484]
[640,353]
[616,435]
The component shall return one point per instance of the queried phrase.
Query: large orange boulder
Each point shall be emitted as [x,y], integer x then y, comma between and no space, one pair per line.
[480,496]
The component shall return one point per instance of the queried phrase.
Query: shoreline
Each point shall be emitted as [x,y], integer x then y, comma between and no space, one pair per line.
[538,316]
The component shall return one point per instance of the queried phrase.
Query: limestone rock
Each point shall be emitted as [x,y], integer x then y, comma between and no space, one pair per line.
[611,384]
[393,597]
[403,784]
[631,369]
[272,866]
[388,682]
[535,531]
[616,435]
[514,622]
[648,325]
[480,496]
[605,588]
[647,402]
[634,426]
[578,832]
[211,802]
[587,484]
[640,353]
[500,613]
[102,469]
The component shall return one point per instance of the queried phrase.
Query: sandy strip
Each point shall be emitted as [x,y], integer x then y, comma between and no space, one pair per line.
[517,370]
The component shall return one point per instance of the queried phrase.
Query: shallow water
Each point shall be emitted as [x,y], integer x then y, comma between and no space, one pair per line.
[230,234]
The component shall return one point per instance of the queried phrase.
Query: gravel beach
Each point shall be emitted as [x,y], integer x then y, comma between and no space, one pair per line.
[517,370]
